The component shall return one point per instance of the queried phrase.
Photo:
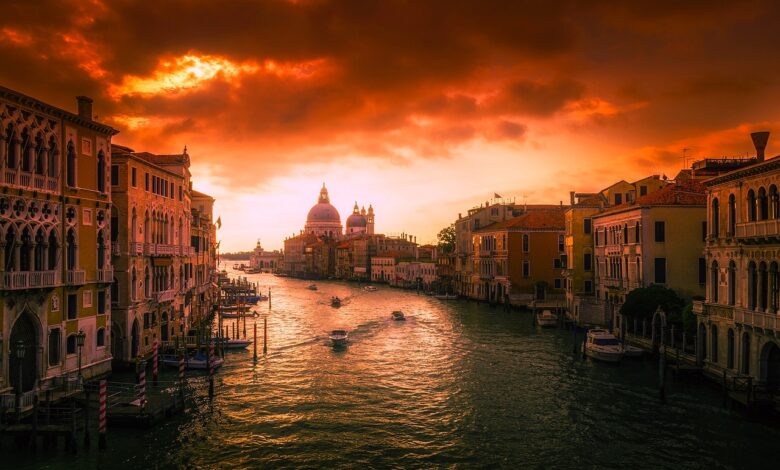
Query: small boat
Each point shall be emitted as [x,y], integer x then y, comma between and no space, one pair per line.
[603,346]
[446,296]
[238,314]
[335,302]
[312,287]
[369,289]
[338,337]
[196,362]
[398,315]
[546,318]
[632,351]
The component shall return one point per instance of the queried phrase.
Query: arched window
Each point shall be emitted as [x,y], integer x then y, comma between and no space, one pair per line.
[774,203]
[715,214]
[730,349]
[774,287]
[71,344]
[752,285]
[732,215]
[10,249]
[71,164]
[25,251]
[27,151]
[732,283]
[745,350]
[133,286]
[40,156]
[763,204]
[134,226]
[636,232]
[714,274]
[12,148]
[55,346]
[40,250]
[54,158]
[751,202]
[101,172]
[625,233]
[525,243]
[763,286]
[146,283]
[101,250]
[72,261]
[714,344]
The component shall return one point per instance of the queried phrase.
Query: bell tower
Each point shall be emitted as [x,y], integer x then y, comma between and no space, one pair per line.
[370,220]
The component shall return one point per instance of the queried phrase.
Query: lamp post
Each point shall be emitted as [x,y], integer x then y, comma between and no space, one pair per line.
[80,344]
[20,358]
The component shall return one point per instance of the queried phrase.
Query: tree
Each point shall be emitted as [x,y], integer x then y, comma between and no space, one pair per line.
[446,239]
[642,302]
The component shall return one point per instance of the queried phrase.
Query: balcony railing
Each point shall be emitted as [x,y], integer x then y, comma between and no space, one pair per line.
[166,250]
[149,249]
[104,275]
[29,279]
[164,295]
[76,277]
[762,228]
[29,180]
[766,321]
[25,179]
[136,248]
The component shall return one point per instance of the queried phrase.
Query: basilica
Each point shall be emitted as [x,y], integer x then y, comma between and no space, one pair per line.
[324,220]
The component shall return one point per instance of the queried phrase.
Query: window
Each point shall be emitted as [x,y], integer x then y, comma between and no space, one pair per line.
[101,172]
[73,302]
[587,262]
[86,217]
[660,231]
[732,214]
[146,178]
[588,287]
[702,271]
[101,302]
[557,283]
[636,232]
[561,245]
[625,234]
[71,165]
[618,199]
[564,261]
[715,217]
[587,226]
[704,231]
[557,263]
[86,146]
[173,190]
[526,269]
[660,271]
[643,190]
[87,299]
[101,337]
[133,179]
[54,346]
[180,193]
[114,175]
[71,344]
[525,243]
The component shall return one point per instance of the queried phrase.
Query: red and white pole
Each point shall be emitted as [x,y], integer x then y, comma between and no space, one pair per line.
[142,385]
[154,363]
[102,415]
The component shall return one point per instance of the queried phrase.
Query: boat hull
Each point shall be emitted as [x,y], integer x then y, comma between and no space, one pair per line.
[604,356]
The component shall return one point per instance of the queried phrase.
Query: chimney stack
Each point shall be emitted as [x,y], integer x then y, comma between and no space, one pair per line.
[85,107]
[571,197]
[759,140]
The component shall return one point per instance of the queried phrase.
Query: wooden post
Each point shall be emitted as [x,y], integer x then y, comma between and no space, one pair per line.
[662,373]
[34,432]
[725,389]
[86,418]
[72,438]
[269,298]
[154,362]
[254,343]
[265,335]
[142,385]
[211,370]
[584,342]
[102,416]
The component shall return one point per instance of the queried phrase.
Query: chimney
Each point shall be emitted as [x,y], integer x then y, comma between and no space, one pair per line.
[571,197]
[759,140]
[85,107]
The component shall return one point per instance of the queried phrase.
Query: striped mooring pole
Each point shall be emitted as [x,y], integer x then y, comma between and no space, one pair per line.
[142,385]
[154,363]
[181,375]
[102,415]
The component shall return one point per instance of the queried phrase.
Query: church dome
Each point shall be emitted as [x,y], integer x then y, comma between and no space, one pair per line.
[356,219]
[323,211]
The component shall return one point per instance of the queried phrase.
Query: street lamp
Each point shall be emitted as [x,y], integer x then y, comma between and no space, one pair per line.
[80,344]
[20,358]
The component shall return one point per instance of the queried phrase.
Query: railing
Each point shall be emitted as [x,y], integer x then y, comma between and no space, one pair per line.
[29,279]
[76,277]
[52,184]
[115,248]
[105,275]
[189,284]
[10,177]
[767,321]
[25,178]
[39,182]
[8,400]
[164,295]
[136,248]
[762,228]
[149,249]
[166,250]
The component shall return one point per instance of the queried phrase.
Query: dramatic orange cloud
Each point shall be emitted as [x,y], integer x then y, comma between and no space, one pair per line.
[421,108]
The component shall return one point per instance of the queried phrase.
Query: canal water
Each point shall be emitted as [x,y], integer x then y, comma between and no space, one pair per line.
[456,385]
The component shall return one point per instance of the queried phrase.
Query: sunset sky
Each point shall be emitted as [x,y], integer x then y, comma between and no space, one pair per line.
[421,108]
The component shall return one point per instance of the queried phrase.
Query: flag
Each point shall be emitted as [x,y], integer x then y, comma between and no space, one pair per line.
[496,195]
[219,222]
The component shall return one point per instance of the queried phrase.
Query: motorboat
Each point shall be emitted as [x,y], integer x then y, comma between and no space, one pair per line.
[446,296]
[196,362]
[335,302]
[398,315]
[338,337]
[632,351]
[312,287]
[546,318]
[242,314]
[602,345]
[369,289]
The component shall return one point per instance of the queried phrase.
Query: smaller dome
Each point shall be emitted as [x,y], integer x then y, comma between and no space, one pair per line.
[356,220]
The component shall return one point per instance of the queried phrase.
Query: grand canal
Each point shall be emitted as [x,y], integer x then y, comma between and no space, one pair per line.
[457,385]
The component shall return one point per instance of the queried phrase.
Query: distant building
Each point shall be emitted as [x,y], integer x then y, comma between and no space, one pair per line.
[266,261]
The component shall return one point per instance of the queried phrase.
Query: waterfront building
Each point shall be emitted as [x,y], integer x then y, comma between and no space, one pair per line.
[204,296]
[520,260]
[266,261]
[55,251]
[151,250]
[383,268]
[655,239]
[738,323]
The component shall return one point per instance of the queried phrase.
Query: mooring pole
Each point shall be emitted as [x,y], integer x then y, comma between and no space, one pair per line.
[269,298]
[584,342]
[574,338]
[254,343]
[662,372]
[102,416]
[86,418]
[154,362]
[265,335]
[211,370]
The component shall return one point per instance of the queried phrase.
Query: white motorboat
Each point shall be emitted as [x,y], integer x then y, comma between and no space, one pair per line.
[338,337]
[312,287]
[369,289]
[603,346]
[446,296]
[398,315]
[232,343]
[632,351]
[196,362]
[546,318]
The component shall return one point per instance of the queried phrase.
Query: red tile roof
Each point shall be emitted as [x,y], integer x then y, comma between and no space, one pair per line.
[552,219]
[682,193]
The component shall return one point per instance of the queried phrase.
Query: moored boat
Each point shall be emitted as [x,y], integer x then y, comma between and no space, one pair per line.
[632,351]
[312,287]
[335,302]
[338,337]
[196,362]
[446,296]
[369,289]
[603,346]
[398,315]
[546,318]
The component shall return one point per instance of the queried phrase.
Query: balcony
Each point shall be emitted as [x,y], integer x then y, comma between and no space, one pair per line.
[29,180]
[149,249]
[166,250]
[164,295]
[759,230]
[25,179]
[76,277]
[29,280]
[136,248]
[115,248]
[105,275]
[764,321]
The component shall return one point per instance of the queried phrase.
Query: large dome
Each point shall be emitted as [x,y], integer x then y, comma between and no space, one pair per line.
[323,211]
